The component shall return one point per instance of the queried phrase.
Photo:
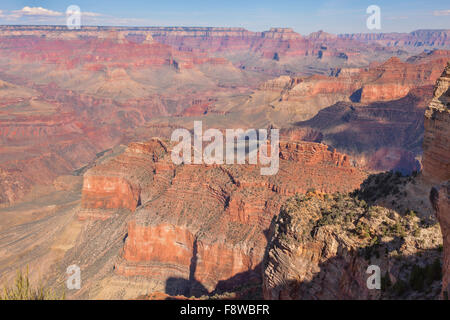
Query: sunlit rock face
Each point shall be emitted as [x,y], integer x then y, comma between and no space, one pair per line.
[203,223]
[436,152]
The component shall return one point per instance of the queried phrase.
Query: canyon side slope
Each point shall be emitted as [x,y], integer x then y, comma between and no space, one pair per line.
[189,230]
[321,246]
[84,181]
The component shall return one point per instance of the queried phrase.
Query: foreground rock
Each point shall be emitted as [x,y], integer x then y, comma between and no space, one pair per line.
[436,153]
[440,199]
[436,162]
[322,246]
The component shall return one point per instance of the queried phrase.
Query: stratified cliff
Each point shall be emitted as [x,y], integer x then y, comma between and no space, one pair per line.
[436,162]
[200,228]
[417,38]
[322,246]
[374,114]
[436,144]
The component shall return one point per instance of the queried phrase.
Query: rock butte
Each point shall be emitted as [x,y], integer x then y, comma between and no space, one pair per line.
[204,223]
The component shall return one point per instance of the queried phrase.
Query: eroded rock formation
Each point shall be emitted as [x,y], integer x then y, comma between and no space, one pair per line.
[436,163]
[436,144]
[440,199]
[322,246]
[197,226]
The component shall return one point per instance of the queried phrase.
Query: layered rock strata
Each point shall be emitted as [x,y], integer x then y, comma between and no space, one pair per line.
[436,144]
[322,246]
[200,228]
[436,163]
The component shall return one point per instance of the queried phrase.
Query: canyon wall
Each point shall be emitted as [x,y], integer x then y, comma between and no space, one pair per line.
[200,228]
[418,38]
[440,199]
[273,44]
[436,162]
[321,247]
[67,96]
[374,113]
[436,155]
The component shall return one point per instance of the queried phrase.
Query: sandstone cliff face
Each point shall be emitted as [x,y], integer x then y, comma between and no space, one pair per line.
[375,114]
[199,228]
[121,188]
[436,162]
[436,155]
[321,247]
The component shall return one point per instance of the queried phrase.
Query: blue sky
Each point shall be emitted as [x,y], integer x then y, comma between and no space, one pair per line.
[335,16]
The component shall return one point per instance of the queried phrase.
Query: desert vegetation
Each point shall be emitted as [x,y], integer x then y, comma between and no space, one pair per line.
[23,289]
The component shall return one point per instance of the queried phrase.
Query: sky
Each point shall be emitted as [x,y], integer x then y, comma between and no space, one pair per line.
[334,16]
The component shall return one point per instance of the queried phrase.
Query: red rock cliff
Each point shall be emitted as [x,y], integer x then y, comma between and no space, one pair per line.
[436,162]
[201,227]
[436,144]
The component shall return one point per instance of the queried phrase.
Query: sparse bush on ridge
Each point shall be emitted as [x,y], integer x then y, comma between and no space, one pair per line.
[23,290]
[381,185]
[380,231]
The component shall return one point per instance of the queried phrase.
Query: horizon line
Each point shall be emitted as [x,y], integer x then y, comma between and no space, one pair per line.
[212,27]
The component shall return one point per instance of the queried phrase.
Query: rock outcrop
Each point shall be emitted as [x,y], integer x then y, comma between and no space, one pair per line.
[436,163]
[322,246]
[436,153]
[200,228]
[440,199]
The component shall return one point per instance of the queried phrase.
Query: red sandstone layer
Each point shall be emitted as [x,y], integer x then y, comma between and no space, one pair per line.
[205,224]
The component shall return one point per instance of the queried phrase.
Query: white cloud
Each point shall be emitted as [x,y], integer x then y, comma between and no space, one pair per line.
[90,14]
[39,13]
[36,11]
[69,11]
[442,13]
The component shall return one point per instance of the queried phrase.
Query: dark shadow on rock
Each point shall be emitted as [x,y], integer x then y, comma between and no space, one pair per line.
[356,96]
[187,287]
[338,280]
[184,287]
[247,284]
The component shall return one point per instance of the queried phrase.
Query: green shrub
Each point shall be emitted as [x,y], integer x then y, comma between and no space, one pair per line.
[23,290]
[417,278]
[400,287]
[424,277]
[433,272]
[386,282]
